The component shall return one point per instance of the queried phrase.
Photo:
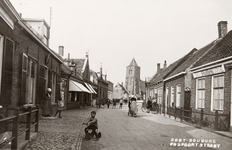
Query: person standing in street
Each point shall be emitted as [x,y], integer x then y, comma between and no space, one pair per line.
[121,102]
[108,103]
[60,106]
[114,103]
[134,108]
[47,110]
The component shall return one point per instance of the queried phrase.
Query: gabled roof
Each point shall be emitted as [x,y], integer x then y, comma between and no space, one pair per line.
[158,77]
[191,58]
[222,49]
[133,63]
[79,64]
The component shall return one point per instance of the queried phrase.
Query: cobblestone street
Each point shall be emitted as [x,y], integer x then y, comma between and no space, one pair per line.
[59,133]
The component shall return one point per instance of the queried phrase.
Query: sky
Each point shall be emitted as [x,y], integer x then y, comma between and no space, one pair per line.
[113,32]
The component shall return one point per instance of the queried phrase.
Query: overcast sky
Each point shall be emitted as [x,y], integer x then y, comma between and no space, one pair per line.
[116,31]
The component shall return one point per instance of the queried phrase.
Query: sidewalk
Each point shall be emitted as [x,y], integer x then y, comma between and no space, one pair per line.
[60,133]
[222,133]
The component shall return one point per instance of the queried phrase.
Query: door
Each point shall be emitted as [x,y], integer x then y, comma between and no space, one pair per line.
[187,97]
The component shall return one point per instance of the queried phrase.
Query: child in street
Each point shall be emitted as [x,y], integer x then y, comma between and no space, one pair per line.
[92,124]
[60,106]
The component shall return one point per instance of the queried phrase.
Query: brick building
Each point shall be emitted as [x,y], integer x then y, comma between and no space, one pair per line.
[28,65]
[211,86]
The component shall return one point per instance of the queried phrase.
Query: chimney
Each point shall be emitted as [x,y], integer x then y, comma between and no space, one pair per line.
[158,67]
[68,57]
[86,55]
[222,29]
[165,64]
[61,50]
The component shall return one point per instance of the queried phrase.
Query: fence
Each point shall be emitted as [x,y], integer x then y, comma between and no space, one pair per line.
[15,120]
[220,122]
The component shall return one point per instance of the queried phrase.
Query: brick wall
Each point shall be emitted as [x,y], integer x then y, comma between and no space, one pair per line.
[174,82]
[25,43]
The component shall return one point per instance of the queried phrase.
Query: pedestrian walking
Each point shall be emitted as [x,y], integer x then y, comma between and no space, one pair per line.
[60,106]
[121,102]
[114,103]
[108,103]
[149,105]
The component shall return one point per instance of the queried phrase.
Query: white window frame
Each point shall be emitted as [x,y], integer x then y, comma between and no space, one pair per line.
[1,58]
[172,99]
[197,93]
[178,95]
[221,103]
[167,94]
[31,82]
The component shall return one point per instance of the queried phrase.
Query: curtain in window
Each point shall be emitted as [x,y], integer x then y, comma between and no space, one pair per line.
[178,93]
[201,93]
[172,97]
[218,92]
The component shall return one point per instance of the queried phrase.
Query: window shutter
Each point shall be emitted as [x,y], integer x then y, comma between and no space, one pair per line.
[24,79]
[58,94]
[41,84]
[7,72]
[50,79]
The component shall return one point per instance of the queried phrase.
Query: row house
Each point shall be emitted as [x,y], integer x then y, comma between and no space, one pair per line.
[155,85]
[110,90]
[27,65]
[211,85]
[80,89]
[199,80]
[178,83]
[102,86]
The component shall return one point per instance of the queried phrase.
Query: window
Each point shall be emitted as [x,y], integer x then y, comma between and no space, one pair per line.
[28,82]
[200,97]
[178,95]
[167,93]
[159,98]
[218,92]
[7,70]
[155,94]
[172,96]
[151,93]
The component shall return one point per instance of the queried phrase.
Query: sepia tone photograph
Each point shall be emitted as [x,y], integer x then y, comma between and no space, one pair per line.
[115,74]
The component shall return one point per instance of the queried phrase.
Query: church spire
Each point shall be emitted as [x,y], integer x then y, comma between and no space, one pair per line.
[133,63]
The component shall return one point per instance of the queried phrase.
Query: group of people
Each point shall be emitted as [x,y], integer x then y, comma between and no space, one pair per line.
[100,103]
[47,108]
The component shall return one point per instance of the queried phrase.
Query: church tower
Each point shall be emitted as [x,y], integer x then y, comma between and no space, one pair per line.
[132,83]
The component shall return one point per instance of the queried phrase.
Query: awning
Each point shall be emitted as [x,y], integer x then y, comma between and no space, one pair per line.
[90,88]
[75,86]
